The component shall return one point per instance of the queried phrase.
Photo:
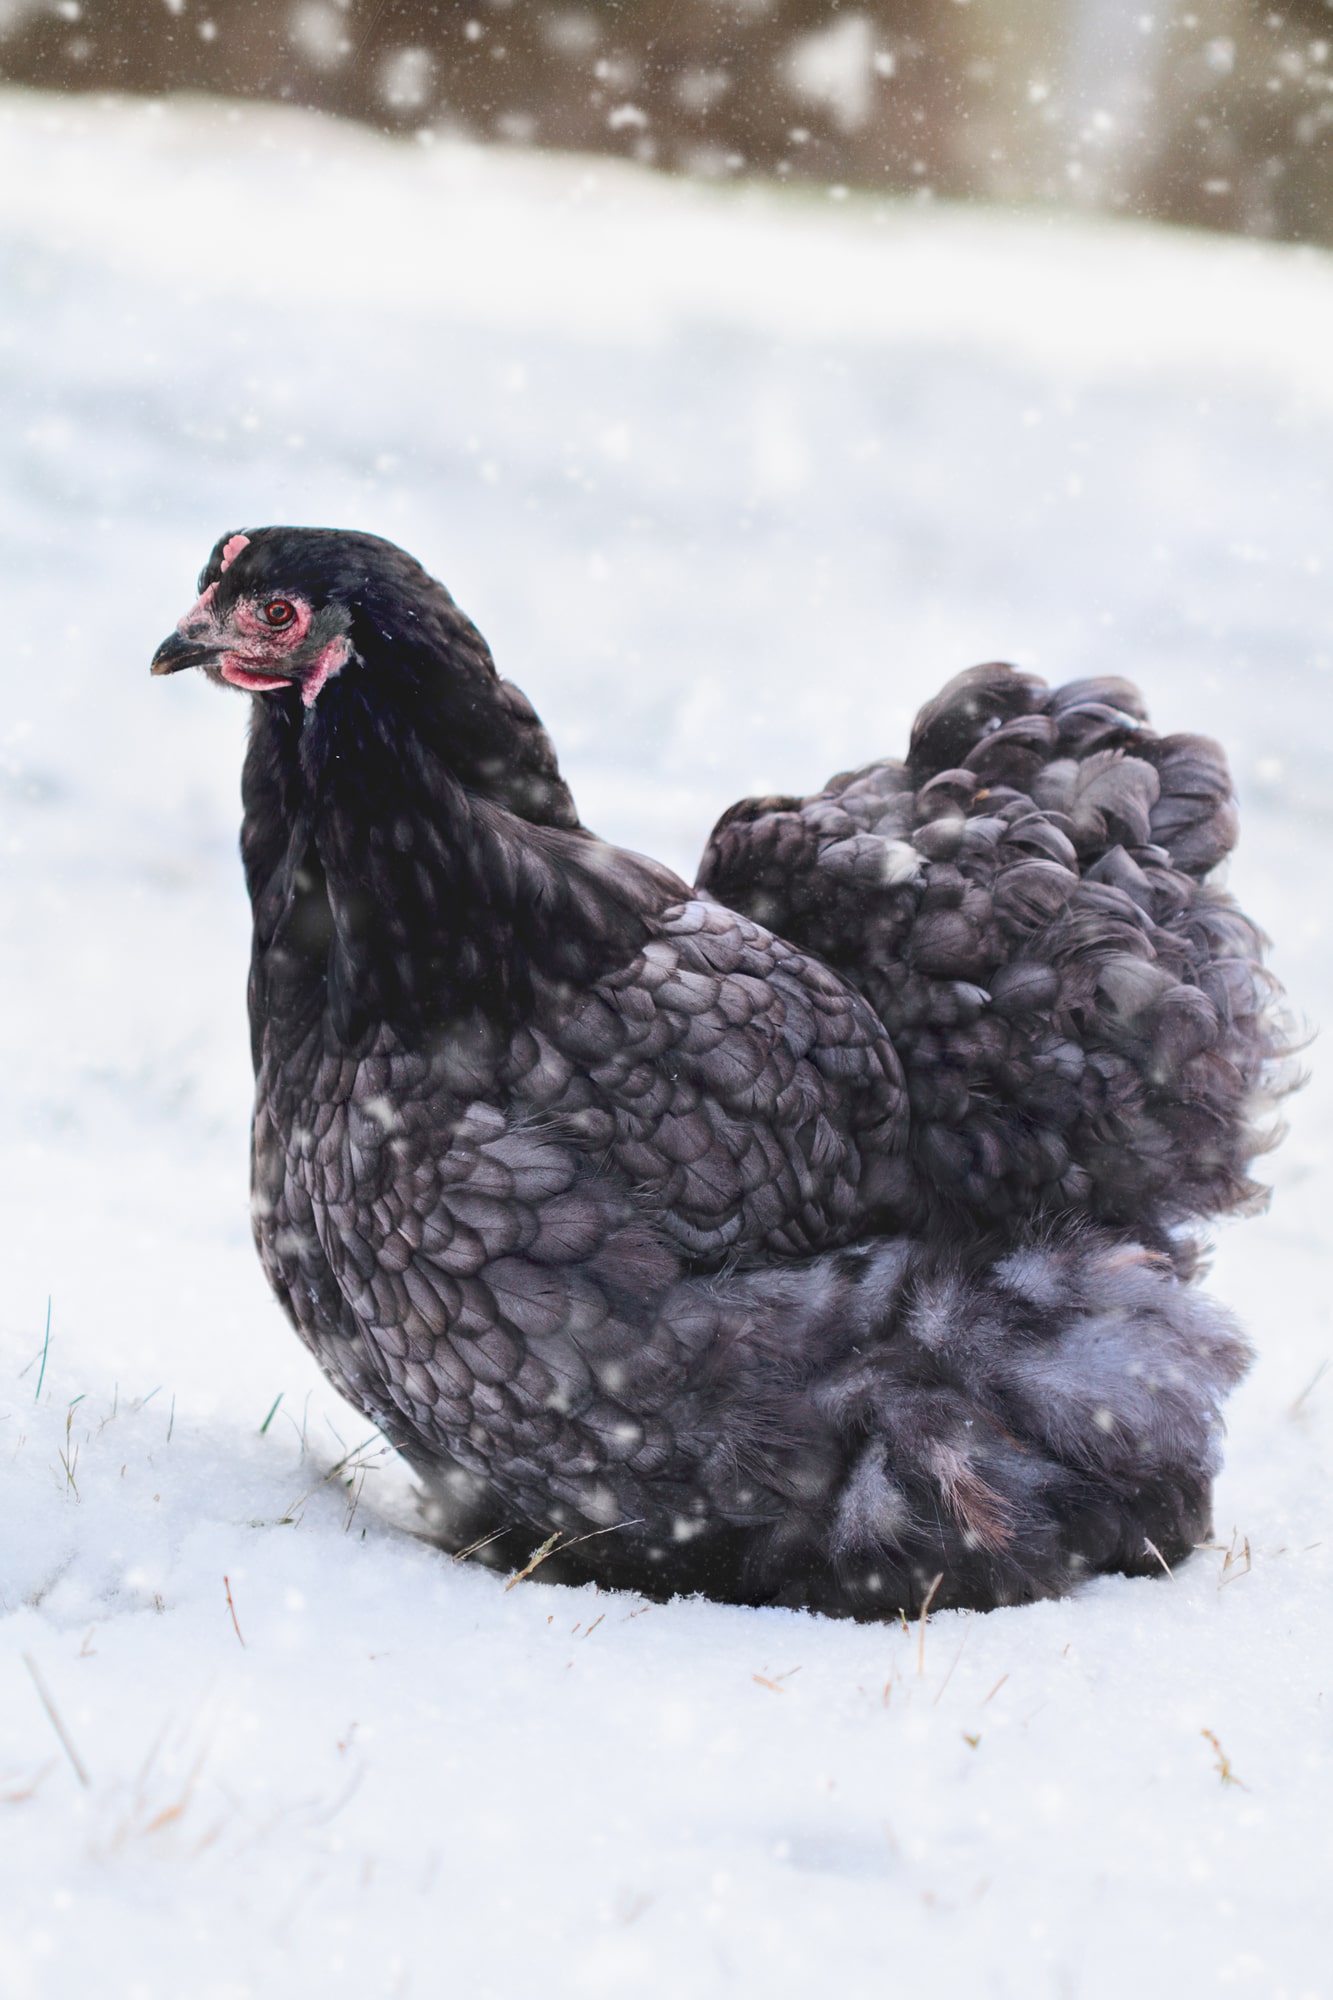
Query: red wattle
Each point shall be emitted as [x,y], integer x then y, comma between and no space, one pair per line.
[241,677]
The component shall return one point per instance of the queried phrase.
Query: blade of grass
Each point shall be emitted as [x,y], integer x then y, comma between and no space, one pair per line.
[46,1345]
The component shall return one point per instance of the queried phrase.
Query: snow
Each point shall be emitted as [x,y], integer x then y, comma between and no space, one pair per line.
[731,479]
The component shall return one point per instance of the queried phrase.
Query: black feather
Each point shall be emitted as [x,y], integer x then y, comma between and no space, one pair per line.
[811,1232]
[1124,983]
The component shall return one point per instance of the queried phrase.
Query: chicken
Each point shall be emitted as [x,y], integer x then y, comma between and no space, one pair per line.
[651,1224]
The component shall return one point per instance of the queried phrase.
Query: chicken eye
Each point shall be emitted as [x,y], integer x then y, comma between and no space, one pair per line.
[279,612]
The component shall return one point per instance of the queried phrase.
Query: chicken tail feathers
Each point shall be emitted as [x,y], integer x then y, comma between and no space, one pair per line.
[1083,1015]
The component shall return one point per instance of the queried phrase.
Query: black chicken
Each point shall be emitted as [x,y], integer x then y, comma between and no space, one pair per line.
[807,1238]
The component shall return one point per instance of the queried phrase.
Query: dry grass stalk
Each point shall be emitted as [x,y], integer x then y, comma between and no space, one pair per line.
[179,1805]
[69,1457]
[548,1547]
[226,1585]
[354,1489]
[1156,1553]
[1239,1560]
[474,1548]
[1235,1564]
[18,1790]
[535,1560]
[351,1462]
[1223,1763]
[66,1743]
[921,1628]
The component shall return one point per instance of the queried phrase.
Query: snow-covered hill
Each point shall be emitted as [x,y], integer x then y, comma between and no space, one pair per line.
[731,480]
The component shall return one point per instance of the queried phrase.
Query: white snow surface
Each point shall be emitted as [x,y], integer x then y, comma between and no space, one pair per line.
[732,479]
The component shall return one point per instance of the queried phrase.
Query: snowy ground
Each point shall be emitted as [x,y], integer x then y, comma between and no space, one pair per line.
[731,480]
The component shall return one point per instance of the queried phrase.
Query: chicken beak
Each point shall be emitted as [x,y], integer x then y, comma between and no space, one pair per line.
[177,652]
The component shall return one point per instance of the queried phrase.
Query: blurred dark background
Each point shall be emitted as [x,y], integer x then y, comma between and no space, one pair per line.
[1218,113]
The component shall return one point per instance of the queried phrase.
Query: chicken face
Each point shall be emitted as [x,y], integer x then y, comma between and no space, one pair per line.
[368,641]
[246,631]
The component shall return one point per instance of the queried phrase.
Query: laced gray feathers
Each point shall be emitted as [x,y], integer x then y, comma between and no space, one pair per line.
[801,1238]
